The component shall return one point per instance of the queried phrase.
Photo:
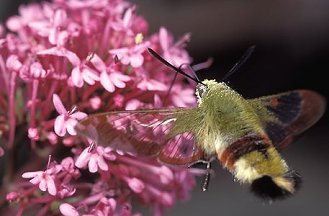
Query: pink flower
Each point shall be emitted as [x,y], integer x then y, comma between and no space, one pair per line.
[81,72]
[27,15]
[67,119]
[132,56]
[90,54]
[110,77]
[172,51]
[125,23]
[53,29]
[151,85]
[68,166]
[182,97]
[45,179]
[94,159]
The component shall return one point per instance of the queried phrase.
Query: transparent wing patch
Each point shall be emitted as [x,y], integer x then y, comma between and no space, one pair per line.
[142,132]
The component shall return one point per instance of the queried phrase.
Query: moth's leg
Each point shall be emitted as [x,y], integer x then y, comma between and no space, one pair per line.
[208,171]
[197,162]
[207,177]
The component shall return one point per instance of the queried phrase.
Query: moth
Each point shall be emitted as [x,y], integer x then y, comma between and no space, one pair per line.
[245,135]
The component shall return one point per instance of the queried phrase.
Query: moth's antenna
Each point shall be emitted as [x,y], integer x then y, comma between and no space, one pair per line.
[170,87]
[178,70]
[239,63]
[190,69]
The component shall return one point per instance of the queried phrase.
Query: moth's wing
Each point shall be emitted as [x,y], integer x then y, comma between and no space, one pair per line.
[286,115]
[181,150]
[142,132]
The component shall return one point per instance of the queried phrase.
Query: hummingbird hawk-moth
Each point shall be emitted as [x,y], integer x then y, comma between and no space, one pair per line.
[245,135]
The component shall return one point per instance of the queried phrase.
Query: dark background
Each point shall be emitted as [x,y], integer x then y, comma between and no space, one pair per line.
[292,51]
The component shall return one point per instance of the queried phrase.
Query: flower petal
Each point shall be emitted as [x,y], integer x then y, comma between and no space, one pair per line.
[78,115]
[60,51]
[102,164]
[43,185]
[68,210]
[164,39]
[70,126]
[60,17]
[53,35]
[36,180]
[117,82]
[133,104]
[106,82]
[89,76]
[51,186]
[166,175]
[31,174]
[119,79]
[83,158]
[59,125]
[98,62]
[136,60]
[77,77]
[92,165]
[58,104]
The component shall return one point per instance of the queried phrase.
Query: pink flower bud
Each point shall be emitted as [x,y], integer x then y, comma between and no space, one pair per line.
[12,196]
[95,102]
[2,152]
[14,23]
[167,199]
[68,210]
[52,137]
[136,185]
[33,133]
[13,63]
[37,71]
[166,175]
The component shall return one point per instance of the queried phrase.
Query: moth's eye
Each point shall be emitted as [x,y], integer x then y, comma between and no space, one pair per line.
[202,90]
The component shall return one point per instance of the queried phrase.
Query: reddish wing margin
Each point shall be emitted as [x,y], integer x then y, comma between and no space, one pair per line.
[289,114]
[142,132]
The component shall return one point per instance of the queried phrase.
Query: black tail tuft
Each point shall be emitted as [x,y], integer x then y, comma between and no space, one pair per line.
[273,188]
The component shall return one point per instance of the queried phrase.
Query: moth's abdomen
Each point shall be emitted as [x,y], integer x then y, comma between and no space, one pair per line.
[277,187]
[253,159]
[240,148]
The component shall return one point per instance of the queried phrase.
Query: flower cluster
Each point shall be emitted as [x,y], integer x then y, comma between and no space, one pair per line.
[61,60]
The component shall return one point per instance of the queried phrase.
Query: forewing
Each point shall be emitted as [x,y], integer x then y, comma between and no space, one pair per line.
[141,132]
[286,115]
[181,150]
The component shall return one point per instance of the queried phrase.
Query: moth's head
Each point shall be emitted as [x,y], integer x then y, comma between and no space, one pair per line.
[207,88]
